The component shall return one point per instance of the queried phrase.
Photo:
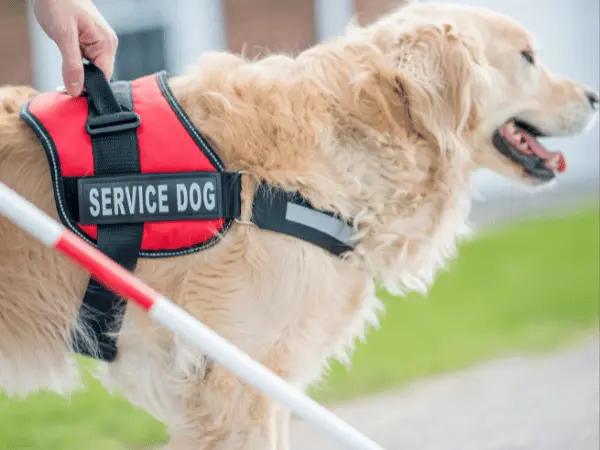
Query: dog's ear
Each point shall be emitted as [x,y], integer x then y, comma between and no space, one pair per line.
[440,72]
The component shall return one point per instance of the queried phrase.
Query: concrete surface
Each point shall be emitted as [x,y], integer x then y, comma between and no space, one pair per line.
[547,402]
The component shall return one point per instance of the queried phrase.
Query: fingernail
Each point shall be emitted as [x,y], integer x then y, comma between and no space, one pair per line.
[74,83]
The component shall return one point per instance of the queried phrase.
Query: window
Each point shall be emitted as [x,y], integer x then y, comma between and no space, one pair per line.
[141,52]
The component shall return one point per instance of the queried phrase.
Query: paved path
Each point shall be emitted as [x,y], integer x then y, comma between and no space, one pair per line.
[547,402]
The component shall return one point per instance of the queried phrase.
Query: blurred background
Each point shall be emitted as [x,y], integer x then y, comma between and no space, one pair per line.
[503,353]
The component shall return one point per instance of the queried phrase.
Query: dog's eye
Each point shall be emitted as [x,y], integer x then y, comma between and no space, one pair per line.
[529,57]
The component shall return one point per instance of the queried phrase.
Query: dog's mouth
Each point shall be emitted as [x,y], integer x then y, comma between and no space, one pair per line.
[517,140]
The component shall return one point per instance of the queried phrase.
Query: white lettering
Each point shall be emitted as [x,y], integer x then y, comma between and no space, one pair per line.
[163,207]
[141,203]
[209,196]
[130,197]
[106,201]
[182,197]
[148,199]
[95,208]
[196,202]
[118,197]
[150,206]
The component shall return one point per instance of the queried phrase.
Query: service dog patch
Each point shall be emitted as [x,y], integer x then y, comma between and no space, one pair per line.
[149,198]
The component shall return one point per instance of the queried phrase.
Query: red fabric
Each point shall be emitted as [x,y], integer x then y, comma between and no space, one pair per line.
[64,118]
[164,144]
[106,271]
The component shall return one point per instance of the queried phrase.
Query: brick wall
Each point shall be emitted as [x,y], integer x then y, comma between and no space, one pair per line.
[369,10]
[253,25]
[283,25]
[15,55]
[275,25]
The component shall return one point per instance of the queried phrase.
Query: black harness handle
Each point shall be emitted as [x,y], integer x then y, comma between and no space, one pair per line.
[112,127]
[98,90]
[107,115]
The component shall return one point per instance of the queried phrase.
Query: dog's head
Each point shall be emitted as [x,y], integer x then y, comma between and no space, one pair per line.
[474,83]
[436,91]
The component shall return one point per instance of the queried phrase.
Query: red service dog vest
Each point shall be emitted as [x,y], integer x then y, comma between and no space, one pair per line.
[133,176]
[176,197]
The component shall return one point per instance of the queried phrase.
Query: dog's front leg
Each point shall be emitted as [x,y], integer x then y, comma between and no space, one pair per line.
[223,413]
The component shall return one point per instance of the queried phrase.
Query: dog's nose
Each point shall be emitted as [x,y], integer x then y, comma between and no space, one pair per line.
[593,99]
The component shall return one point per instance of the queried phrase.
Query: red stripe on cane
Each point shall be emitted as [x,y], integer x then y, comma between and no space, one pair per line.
[106,271]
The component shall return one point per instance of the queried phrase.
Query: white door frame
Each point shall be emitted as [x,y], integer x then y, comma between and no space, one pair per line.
[46,59]
[332,17]
[196,26]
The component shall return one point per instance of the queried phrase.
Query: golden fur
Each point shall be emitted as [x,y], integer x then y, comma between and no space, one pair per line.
[383,125]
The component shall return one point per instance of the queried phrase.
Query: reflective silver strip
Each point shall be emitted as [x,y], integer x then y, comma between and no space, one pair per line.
[324,223]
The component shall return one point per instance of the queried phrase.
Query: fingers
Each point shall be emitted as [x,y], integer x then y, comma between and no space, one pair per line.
[79,30]
[99,45]
[72,67]
[102,54]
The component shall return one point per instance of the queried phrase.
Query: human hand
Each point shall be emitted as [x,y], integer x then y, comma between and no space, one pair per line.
[79,30]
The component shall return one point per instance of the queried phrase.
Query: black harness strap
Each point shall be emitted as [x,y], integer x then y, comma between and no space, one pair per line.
[289,213]
[112,126]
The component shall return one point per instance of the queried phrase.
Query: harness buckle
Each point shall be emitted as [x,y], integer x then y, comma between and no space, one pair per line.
[111,123]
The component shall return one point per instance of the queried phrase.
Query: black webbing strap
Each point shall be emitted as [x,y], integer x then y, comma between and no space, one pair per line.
[112,128]
[289,213]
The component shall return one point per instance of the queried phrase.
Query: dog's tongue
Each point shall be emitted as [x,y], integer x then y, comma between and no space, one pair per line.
[554,160]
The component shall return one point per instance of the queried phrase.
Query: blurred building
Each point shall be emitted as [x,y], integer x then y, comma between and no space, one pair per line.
[170,34]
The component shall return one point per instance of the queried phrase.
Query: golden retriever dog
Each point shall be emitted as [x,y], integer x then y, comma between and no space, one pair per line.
[382,126]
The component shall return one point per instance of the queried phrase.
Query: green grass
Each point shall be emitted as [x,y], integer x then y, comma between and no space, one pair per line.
[89,420]
[529,287]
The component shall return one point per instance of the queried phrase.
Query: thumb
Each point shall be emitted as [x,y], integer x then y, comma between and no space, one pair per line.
[72,67]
